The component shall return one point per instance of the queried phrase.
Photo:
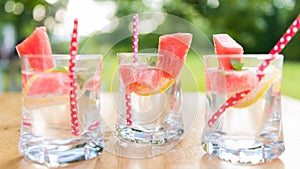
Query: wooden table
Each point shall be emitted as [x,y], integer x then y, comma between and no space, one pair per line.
[187,154]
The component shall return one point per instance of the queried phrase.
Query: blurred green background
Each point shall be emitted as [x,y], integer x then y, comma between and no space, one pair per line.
[105,27]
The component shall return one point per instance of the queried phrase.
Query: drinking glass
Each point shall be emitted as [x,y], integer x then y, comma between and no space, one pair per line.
[46,132]
[149,111]
[243,109]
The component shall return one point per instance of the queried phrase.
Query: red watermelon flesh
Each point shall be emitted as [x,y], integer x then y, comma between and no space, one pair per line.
[226,80]
[144,80]
[49,84]
[37,43]
[173,49]
[225,45]
[230,82]
[150,81]
[37,54]
[127,74]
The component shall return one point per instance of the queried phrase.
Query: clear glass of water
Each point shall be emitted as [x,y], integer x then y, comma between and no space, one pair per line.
[243,109]
[149,108]
[46,133]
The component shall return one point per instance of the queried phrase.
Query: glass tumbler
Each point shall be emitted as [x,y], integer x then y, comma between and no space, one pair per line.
[46,132]
[243,111]
[150,101]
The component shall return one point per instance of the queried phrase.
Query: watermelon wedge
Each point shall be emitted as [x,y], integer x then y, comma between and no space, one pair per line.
[146,80]
[150,81]
[173,49]
[230,82]
[127,74]
[227,80]
[37,43]
[225,45]
[36,51]
[50,83]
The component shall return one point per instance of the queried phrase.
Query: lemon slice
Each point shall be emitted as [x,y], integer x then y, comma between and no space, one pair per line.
[144,90]
[28,84]
[258,91]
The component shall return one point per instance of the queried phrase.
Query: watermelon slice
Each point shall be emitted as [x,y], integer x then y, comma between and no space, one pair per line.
[150,81]
[230,82]
[50,83]
[225,45]
[226,80]
[127,74]
[173,49]
[36,51]
[146,80]
[38,44]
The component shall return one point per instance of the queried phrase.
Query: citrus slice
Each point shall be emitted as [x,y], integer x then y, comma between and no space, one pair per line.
[150,81]
[257,92]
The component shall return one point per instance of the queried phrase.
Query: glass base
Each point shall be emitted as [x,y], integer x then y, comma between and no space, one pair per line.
[58,153]
[244,151]
[133,143]
[149,135]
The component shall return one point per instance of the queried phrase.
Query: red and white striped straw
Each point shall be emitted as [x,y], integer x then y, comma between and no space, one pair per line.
[135,39]
[284,40]
[135,59]
[73,84]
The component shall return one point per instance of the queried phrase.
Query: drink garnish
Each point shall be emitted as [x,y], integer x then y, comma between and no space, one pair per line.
[150,81]
[36,47]
[257,92]
[237,65]
[224,44]
[289,34]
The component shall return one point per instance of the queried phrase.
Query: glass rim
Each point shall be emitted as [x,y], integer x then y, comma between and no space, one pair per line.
[67,56]
[250,56]
[128,54]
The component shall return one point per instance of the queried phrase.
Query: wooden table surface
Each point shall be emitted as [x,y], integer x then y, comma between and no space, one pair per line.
[187,154]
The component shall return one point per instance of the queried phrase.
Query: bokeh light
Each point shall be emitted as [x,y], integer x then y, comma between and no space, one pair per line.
[93,16]
[39,12]
[9,6]
[213,3]
[51,1]
[16,8]
[19,8]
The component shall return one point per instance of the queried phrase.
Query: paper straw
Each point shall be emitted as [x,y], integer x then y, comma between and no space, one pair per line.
[73,94]
[128,109]
[284,40]
[135,40]
[134,51]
